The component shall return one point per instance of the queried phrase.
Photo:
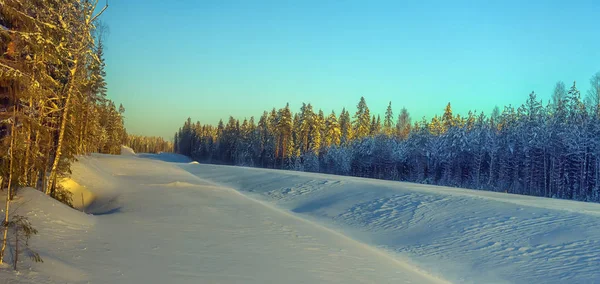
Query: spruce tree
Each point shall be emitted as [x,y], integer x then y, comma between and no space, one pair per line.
[333,131]
[362,120]
[388,122]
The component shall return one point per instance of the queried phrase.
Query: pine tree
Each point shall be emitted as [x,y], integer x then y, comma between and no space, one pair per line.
[306,124]
[448,120]
[333,133]
[388,122]
[315,134]
[346,127]
[362,120]
[436,127]
[285,126]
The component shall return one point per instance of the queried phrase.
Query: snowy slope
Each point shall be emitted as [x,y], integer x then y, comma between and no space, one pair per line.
[465,236]
[155,222]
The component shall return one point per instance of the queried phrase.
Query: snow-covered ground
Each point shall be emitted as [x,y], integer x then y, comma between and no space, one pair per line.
[464,236]
[164,219]
[154,222]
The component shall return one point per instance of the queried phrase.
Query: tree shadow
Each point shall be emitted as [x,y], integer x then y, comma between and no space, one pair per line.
[106,212]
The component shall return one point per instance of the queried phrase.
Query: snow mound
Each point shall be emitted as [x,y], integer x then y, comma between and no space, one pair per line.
[56,224]
[241,240]
[40,209]
[127,151]
[81,196]
[463,235]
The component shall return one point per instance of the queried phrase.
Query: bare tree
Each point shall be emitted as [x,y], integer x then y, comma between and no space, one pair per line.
[592,99]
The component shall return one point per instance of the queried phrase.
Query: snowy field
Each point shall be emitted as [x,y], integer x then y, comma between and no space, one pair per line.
[164,219]
[463,236]
[155,222]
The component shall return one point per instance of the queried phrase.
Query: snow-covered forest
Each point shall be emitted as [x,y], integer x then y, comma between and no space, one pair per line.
[544,149]
[53,91]
[53,103]
[149,144]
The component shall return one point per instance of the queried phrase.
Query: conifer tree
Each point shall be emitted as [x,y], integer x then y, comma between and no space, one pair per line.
[448,119]
[362,120]
[346,127]
[388,122]
[333,132]
[315,134]
[285,126]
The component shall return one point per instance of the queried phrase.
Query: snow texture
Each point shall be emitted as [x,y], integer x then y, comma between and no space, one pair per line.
[464,236]
[163,219]
[154,222]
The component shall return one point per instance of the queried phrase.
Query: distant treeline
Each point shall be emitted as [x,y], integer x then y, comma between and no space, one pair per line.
[149,144]
[550,150]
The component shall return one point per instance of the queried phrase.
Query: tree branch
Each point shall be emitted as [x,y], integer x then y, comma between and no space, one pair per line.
[100,13]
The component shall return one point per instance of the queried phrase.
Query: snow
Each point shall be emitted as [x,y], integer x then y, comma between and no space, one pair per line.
[155,222]
[161,218]
[464,236]
[127,151]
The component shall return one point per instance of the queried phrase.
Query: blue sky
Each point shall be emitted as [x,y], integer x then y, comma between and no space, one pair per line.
[167,60]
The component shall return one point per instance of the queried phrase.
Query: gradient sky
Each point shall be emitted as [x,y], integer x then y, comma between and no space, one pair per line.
[169,60]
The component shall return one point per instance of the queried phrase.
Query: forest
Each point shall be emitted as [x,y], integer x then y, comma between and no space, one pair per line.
[53,103]
[149,144]
[547,149]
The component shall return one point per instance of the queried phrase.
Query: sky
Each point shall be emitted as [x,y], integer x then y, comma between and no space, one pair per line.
[170,60]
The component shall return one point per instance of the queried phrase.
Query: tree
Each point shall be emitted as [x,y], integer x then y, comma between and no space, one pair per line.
[346,127]
[306,118]
[403,125]
[362,120]
[436,127]
[149,144]
[448,120]
[532,149]
[77,44]
[52,92]
[315,134]
[388,122]
[593,95]
[559,94]
[333,132]
[285,126]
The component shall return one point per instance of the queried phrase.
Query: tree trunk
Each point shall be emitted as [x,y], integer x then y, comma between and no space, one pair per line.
[61,133]
[28,146]
[8,190]
[85,130]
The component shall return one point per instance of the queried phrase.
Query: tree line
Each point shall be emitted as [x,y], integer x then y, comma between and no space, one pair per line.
[149,144]
[550,150]
[53,103]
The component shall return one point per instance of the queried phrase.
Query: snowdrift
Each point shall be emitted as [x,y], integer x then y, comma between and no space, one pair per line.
[160,218]
[466,236]
[127,151]
[55,222]
[81,196]
[156,223]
